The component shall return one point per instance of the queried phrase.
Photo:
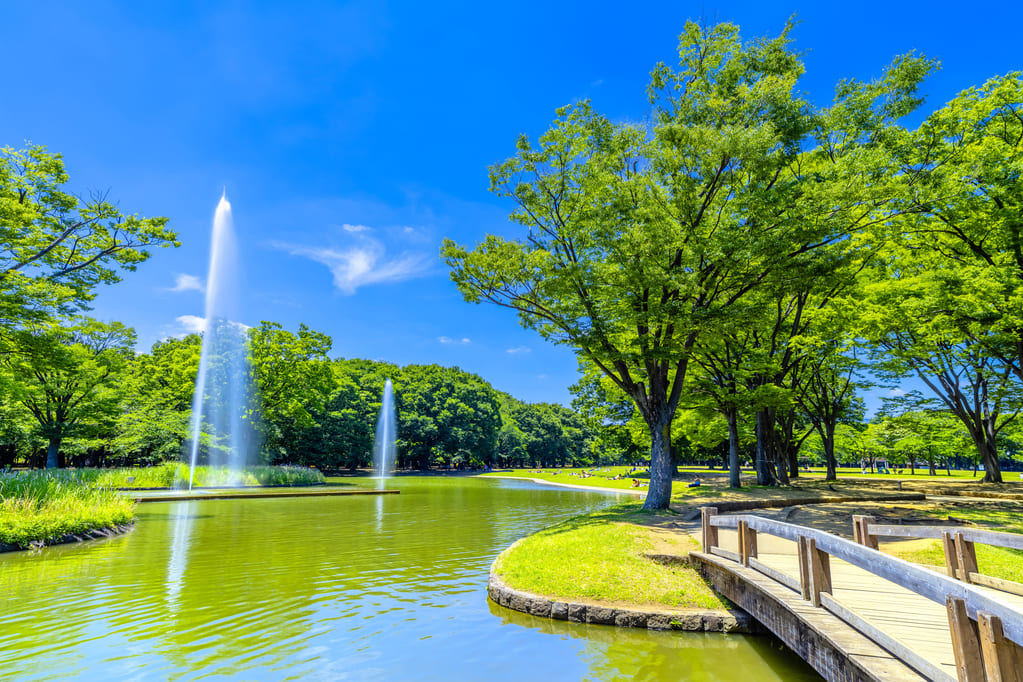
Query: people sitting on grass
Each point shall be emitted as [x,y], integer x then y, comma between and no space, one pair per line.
[695,483]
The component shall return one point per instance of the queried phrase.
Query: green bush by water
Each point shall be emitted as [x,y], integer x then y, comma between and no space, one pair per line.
[45,505]
[175,475]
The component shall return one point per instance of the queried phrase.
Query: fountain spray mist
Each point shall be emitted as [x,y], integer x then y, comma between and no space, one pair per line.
[221,383]
[385,446]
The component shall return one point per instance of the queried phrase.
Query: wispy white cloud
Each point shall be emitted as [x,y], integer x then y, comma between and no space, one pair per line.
[193,324]
[895,392]
[364,263]
[519,349]
[448,339]
[183,282]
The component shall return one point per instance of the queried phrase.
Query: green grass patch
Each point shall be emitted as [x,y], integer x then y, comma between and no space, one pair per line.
[600,557]
[997,562]
[611,477]
[45,505]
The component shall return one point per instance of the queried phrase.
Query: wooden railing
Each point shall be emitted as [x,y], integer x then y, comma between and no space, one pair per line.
[959,545]
[986,631]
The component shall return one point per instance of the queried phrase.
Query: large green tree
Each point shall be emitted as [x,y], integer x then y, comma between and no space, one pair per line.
[156,402]
[55,247]
[65,375]
[639,239]
[292,376]
[967,205]
[445,416]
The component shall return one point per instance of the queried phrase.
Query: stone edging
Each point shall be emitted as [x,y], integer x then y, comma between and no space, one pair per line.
[92,534]
[693,620]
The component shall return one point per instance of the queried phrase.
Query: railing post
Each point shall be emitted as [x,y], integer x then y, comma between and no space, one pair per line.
[820,572]
[965,641]
[803,545]
[1001,656]
[710,533]
[951,560]
[860,533]
[966,553]
[747,543]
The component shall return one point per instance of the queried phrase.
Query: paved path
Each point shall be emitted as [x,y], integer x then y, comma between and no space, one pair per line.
[917,622]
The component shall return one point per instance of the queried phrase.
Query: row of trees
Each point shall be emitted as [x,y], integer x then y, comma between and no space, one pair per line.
[750,256]
[81,394]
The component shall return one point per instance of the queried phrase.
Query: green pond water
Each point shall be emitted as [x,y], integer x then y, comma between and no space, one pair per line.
[331,588]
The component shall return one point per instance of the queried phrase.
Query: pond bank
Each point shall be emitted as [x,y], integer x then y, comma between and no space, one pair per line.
[67,538]
[686,619]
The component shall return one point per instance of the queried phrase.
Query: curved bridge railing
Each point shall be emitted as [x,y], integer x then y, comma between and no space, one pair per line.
[986,631]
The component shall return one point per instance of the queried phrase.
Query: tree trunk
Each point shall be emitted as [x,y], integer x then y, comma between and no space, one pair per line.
[658,494]
[53,453]
[764,476]
[829,453]
[778,463]
[734,478]
[788,450]
[983,435]
[989,456]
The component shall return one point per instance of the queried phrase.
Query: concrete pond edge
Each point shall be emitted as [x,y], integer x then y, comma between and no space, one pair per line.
[68,538]
[725,621]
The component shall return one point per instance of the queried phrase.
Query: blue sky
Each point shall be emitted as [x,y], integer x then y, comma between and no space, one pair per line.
[353,137]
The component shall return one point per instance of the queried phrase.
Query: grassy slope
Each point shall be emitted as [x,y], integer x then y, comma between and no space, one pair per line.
[600,557]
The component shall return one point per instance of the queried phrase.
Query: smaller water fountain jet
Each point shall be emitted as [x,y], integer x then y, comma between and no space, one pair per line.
[384,447]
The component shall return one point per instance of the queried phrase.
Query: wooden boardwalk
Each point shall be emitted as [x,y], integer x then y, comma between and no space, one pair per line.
[916,627]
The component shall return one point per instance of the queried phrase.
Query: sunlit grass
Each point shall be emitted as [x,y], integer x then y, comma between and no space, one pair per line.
[600,557]
[45,505]
[997,562]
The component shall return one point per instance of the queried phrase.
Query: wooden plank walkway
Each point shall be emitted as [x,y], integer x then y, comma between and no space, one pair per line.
[915,621]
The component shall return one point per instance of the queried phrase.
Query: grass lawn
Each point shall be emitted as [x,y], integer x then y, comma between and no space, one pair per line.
[597,477]
[600,557]
[997,562]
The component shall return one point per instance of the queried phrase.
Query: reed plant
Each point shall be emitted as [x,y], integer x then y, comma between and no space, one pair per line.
[176,475]
[43,506]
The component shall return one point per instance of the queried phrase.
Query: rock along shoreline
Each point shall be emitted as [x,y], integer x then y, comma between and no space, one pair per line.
[688,620]
[92,534]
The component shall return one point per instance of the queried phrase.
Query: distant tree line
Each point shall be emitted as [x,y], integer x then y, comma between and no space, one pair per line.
[112,406]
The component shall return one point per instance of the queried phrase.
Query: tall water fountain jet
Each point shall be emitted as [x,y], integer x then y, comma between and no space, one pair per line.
[385,446]
[221,395]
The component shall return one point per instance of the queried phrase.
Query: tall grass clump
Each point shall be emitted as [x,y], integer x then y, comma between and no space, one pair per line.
[43,506]
[176,475]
